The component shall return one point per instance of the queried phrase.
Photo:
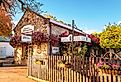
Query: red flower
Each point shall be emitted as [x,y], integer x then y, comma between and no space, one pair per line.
[94,38]
[100,63]
[115,65]
[64,34]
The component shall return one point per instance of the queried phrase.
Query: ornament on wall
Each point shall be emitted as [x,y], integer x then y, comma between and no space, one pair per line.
[64,33]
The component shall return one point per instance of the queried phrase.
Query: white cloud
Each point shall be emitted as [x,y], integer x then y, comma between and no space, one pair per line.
[119,22]
[90,31]
[15,22]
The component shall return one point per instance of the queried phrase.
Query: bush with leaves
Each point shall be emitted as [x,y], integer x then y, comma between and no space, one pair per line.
[111,37]
[15,41]
[39,37]
[94,38]
[54,40]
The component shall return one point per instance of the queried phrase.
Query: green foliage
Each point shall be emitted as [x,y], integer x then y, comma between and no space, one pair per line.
[50,16]
[55,18]
[16,6]
[78,49]
[111,37]
[96,34]
[83,50]
[66,49]
[105,66]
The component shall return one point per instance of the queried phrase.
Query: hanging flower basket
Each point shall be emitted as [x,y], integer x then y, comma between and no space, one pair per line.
[15,41]
[37,38]
[54,40]
[94,38]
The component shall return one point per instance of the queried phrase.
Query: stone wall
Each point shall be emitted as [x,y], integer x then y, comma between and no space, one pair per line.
[41,49]
[40,24]
[18,55]
[31,18]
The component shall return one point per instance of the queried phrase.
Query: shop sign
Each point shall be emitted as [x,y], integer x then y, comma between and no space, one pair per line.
[55,50]
[26,38]
[76,38]
[66,39]
[79,38]
[26,33]
[28,29]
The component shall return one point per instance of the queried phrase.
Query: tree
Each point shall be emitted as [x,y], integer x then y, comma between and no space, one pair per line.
[9,8]
[5,23]
[111,37]
[14,6]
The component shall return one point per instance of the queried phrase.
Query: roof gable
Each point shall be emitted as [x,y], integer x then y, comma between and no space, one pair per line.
[21,22]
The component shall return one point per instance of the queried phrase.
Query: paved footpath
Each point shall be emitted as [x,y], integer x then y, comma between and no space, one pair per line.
[14,74]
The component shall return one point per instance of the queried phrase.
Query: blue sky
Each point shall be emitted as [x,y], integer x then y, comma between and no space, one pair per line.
[89,15]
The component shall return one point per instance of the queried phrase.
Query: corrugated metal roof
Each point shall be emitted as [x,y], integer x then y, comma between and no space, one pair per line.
[66,26]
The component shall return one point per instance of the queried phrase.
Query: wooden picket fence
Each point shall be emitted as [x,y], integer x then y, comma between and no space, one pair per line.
[74,69]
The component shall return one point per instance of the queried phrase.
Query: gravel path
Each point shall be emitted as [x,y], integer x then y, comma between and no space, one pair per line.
[14,74]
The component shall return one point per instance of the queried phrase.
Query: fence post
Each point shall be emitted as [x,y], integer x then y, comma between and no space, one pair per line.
[28,64]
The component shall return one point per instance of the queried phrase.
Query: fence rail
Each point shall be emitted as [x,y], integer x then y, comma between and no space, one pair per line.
[72,69]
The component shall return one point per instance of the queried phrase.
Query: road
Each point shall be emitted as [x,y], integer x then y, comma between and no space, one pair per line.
[14,74]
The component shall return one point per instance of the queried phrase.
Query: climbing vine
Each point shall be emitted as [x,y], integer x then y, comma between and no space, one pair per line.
[37,38]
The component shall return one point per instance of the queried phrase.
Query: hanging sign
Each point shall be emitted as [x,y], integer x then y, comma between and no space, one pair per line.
[55,50]
[76,38]
[28,29]
[79,38]
[26,33]
[26,38]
